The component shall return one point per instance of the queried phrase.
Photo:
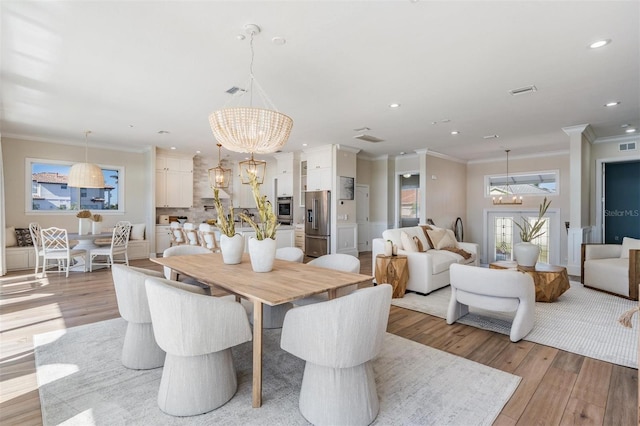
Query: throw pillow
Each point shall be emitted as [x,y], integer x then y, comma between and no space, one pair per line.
[629,243]
[418,244]
[426,228]
[23,237]
[407,242]
[10,235]
[435,235]
[446,241]
[137,231]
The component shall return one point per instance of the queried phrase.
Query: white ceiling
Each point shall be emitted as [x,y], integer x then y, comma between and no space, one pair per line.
[71,66]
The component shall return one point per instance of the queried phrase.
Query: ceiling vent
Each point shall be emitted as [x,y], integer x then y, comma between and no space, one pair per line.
[362,129]
[627,146]
[234,90]
[523,90]
[491,137]
[368,138]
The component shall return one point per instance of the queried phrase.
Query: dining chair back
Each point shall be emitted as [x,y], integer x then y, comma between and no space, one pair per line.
[338,340]
[177,234]
[197,332]
[118,247]
[55,246]
[34,230]
[191,234]
[338,262]
[209,237]
[292,254]
[182,250]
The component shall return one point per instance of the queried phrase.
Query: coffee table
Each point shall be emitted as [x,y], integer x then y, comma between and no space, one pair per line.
[550,280]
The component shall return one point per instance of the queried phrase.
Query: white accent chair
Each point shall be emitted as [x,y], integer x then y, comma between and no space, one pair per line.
[55,246]
[118,247]
[338,339]
[140,350]
[197,332]
[493,290]
[182,250]
[208,235]
[339,262]
[34,230]
[613,268]
[292,254]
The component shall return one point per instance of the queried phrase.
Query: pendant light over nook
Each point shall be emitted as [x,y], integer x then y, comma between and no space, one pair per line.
[86,175]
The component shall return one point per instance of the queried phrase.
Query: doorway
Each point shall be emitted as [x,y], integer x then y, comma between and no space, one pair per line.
[409,199]
[362,217]
[621,199]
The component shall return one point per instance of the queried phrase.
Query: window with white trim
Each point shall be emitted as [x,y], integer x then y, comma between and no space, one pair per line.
[531,183]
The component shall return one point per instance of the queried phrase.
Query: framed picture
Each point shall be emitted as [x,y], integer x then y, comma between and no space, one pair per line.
[346,188]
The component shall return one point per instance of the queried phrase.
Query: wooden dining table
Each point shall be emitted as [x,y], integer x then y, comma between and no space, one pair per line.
[288,281]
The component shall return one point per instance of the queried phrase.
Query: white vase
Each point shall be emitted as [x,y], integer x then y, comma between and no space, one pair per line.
[232,248]
[388,248]
[84,226]
[262,253]
[526,254]
[96,228]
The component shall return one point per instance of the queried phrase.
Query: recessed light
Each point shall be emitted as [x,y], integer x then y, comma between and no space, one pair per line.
[599,43]
[446,120]
[612,104]
[173,148]
[131,126]
[394,105]
[624,126]
[278,41]
[402,152]
[198,152]
[630,130]
[305,144]
[406,175]
[455,132]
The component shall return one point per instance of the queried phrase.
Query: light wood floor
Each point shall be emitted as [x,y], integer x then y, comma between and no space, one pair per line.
[557,387]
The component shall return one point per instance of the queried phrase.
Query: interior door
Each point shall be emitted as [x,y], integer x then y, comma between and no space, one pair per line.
[621,201]
[362,217]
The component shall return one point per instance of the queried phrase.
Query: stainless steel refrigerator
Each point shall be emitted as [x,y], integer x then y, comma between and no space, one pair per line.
[317,223]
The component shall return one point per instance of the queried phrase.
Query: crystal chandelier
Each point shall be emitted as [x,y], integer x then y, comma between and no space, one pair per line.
[219,177]
[86,175]
[507,190]
[250,129]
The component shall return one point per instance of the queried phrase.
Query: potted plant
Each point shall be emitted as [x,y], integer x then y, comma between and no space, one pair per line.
[84,222]
[231,244]
[262,248]
[526,252]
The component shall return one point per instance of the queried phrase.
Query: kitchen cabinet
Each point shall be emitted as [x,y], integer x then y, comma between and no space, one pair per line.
[319,179]
[174,181]
[163,238]
[319,168]
[299,239]
[286,173]
[303,181]
[320,157]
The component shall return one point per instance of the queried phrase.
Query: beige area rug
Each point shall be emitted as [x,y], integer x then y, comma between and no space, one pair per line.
[82,382]
[581,321]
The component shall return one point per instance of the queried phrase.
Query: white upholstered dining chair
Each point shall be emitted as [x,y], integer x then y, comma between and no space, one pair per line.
[338,339]
[339,262]
[197,332]
[55,246]
[183,250]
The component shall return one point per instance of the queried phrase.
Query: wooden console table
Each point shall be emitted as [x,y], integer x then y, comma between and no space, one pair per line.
[550,280]
[393,270]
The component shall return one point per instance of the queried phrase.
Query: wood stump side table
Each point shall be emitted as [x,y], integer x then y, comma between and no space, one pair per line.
[393,270]
[550,281]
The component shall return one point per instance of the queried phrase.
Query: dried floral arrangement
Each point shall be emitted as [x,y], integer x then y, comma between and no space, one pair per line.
[96,218]
[84,214]
[268,220]
[226,226]
[530,231]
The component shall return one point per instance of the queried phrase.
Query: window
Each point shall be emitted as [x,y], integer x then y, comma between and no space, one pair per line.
[50,192]
[533,183]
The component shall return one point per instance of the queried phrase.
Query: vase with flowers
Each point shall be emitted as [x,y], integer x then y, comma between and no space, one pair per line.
[526,252]
[96,224]
[84,222]
[231,244]
[262,248]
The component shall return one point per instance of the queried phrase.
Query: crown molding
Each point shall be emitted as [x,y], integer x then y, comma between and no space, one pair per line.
[632,137]
[521,157]
[138,149]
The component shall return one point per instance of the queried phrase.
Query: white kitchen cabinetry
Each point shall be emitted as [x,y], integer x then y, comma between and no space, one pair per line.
[319,179]
[299,238]
[163,238]
[286,173]
[174,181]
[319,168]
[303,181]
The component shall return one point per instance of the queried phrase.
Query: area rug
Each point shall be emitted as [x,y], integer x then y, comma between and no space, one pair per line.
[82,382]
[581,321]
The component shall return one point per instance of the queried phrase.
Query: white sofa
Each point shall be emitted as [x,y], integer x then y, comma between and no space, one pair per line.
[429,270]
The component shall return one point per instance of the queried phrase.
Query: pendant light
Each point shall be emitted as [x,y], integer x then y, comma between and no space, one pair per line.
[219,177]
[515,199]
[250,129]
[251,167]
[86,175]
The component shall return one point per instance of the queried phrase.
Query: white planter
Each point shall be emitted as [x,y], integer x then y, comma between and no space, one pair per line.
[84,226]
[96,228]
[262,253]
[232,248]
[526,254]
